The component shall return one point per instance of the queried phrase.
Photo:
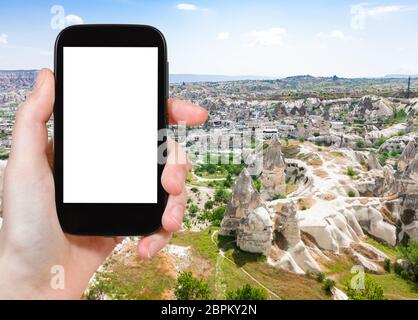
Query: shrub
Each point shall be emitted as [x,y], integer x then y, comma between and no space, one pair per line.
[215,216]
[360,143]
[247,292]
[383,157]
[328,284]
[351,194]
[404,275]
[386,265]
[400,115]
[222,195]
[379,141]
[209,204]
[394,153]
[190,288]
[279,196]
[372,291]
[193,208]
[397,268]
[351,172]
[194,190]
[186,222]
[410,253]
[228,181]
[316,134]
[257,184]
[320,276]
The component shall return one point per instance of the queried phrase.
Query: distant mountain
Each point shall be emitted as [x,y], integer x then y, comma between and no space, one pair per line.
[16,79]
[401,76]
[179,78]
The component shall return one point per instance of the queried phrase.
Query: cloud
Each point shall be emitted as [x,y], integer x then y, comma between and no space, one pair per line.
[3,38]
[224,35]
[334,34]
[186,7]
[72,19]
[270,37]
[360,12]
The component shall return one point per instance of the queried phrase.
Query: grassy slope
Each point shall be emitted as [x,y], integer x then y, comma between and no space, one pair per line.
[394,287]
[224,275]
[136,280]
[156,279]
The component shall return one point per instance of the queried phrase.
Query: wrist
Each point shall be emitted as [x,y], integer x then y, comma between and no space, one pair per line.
[18,282]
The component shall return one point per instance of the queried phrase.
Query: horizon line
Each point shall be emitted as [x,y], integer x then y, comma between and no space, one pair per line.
[265,77]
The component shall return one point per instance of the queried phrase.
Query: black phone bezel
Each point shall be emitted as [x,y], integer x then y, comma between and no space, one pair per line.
[108,219]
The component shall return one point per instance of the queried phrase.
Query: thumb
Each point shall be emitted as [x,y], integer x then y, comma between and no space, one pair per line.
[30,135]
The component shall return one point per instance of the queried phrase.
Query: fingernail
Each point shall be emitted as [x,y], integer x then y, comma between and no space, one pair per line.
[177,215]
[39,80]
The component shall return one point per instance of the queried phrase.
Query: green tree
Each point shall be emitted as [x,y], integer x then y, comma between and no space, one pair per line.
[228,181]
[217,215]
[410,253]
[191,288]
[222,195]
[247,292]
[372,290]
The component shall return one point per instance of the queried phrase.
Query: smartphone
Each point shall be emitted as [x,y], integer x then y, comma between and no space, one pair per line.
[109,122]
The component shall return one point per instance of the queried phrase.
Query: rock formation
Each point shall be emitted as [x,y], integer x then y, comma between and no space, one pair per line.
[273,177]
[407,183]
[244,200]
[409,216]
[407,156]
[255,231]
[373,107]
[410,123]
[300,126]
[378,182]
[373,163]
[288,237]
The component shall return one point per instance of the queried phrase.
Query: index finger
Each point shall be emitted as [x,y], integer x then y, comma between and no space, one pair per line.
[186,111]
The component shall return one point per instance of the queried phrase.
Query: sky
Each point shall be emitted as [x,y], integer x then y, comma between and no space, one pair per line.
[260,38]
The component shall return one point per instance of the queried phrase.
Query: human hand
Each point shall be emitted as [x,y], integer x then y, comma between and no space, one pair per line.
[31,239]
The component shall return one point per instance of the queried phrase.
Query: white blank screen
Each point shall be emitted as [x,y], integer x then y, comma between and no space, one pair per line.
[110,124]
